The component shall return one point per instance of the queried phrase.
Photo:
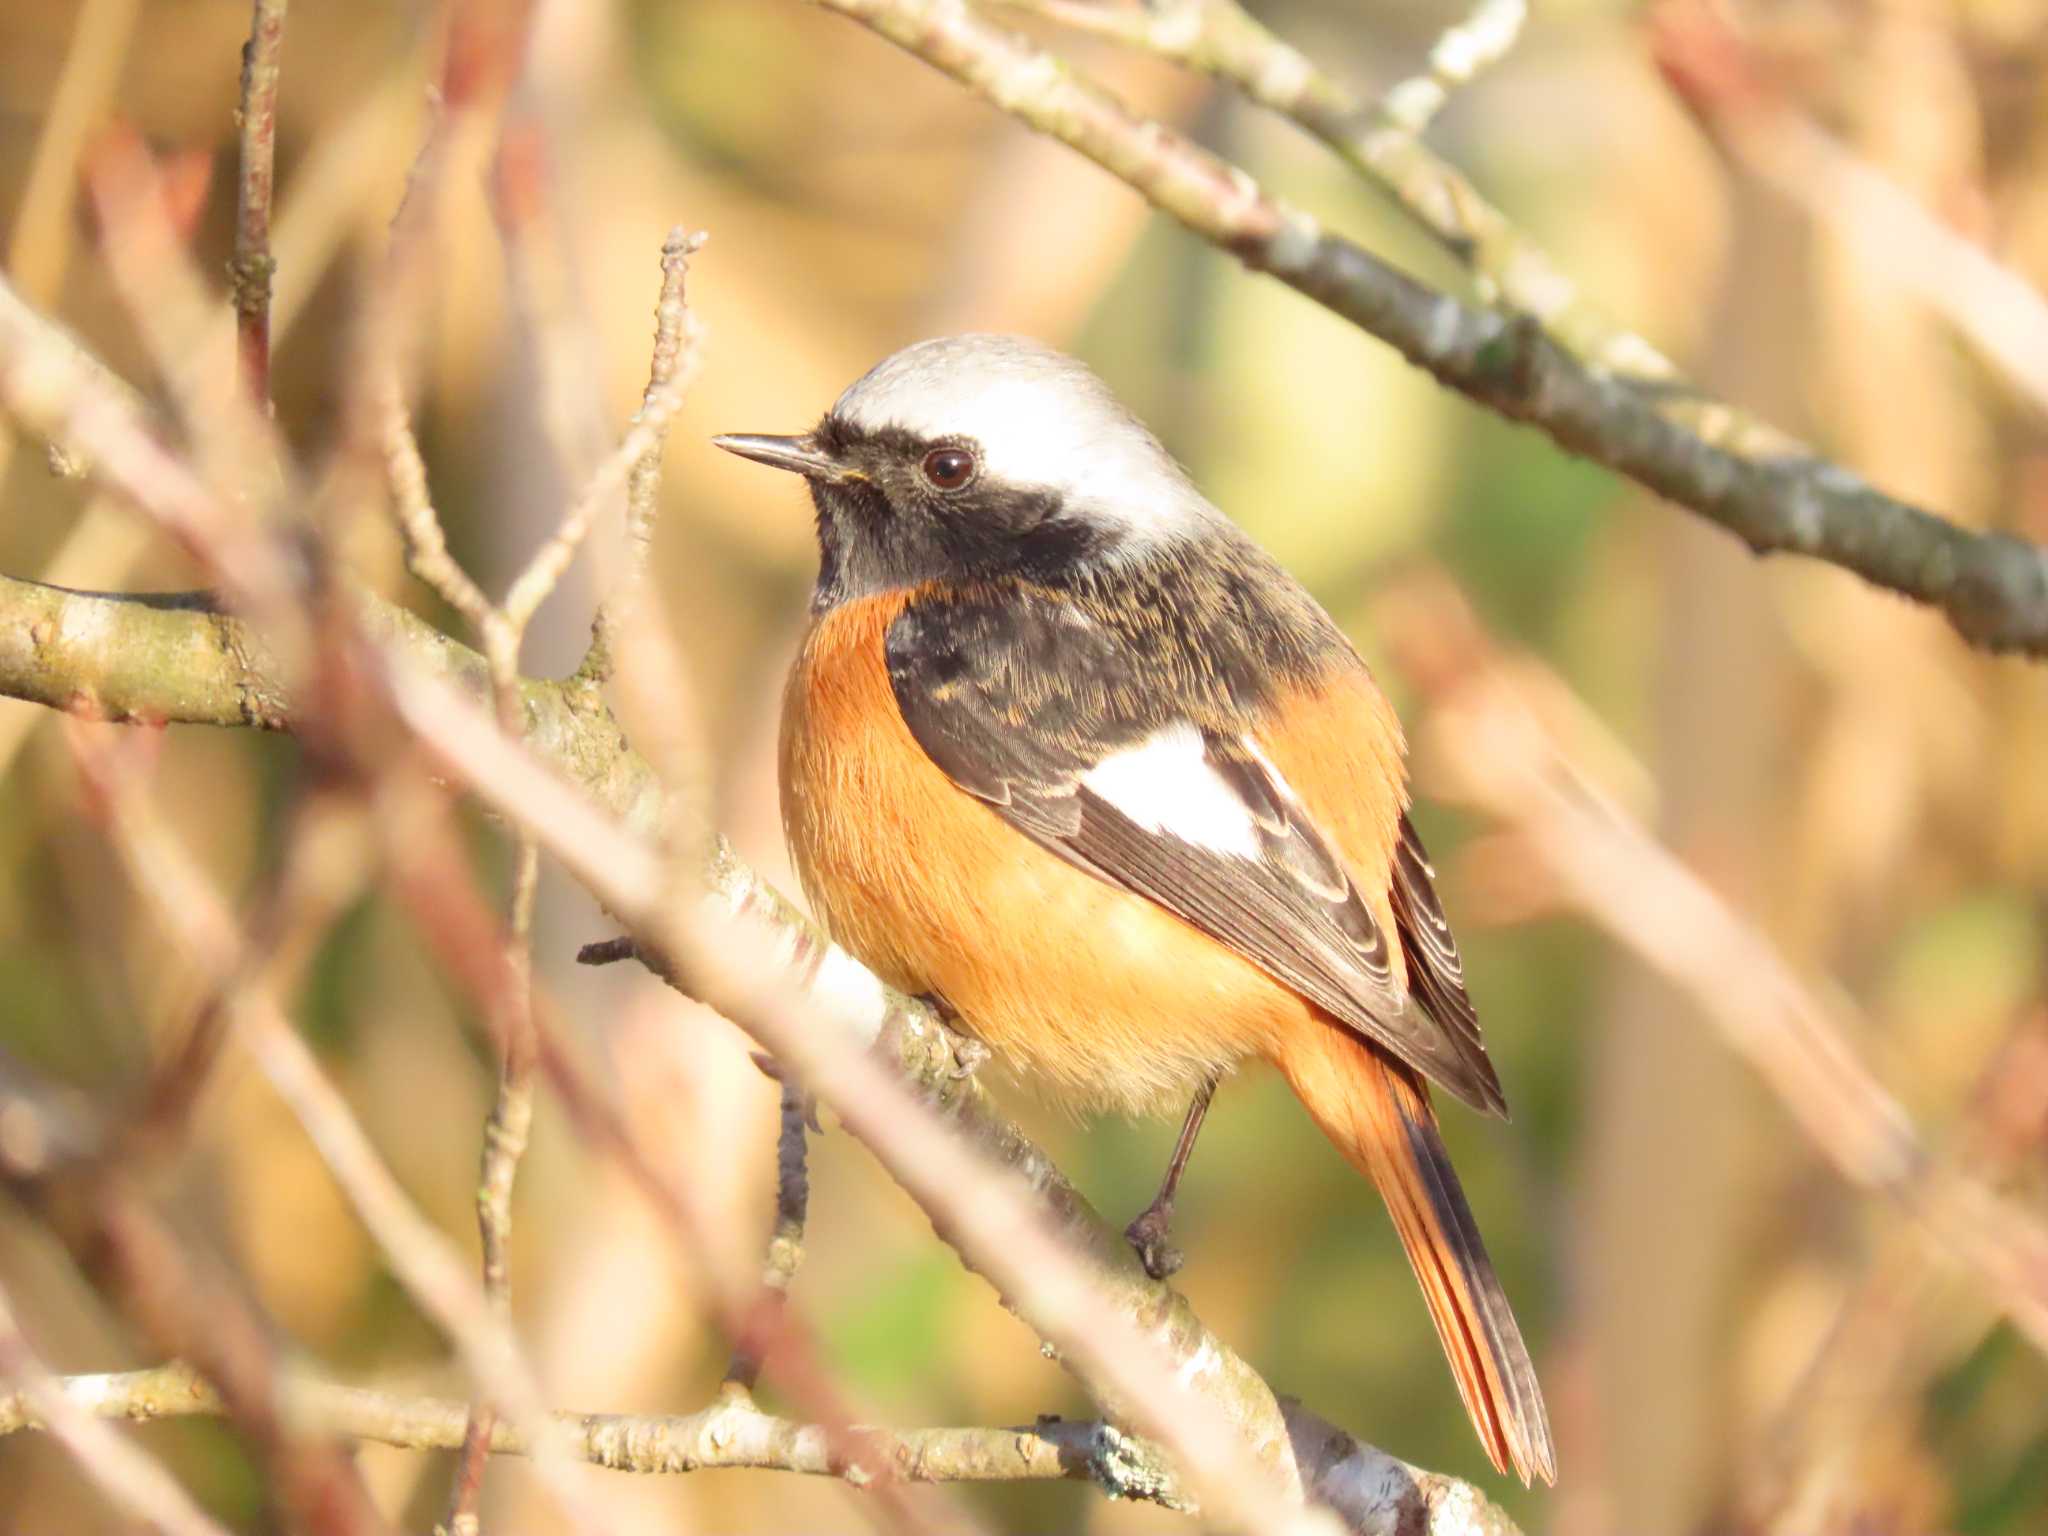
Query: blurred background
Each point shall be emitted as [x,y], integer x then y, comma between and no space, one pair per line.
[1730,1338]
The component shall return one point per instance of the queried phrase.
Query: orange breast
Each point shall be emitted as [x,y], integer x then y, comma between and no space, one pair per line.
[1099,994]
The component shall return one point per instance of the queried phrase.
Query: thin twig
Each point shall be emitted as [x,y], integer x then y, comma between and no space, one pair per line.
[650,425]
[222,663]
[506,1130]
[676,338]
[426,544]
[1129,1339]
[1877,1353]
[1989,305]
[253,267]
[175,1298]
[424,1262]
[1607,398]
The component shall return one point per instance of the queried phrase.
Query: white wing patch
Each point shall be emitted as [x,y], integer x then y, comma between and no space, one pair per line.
[1166,785]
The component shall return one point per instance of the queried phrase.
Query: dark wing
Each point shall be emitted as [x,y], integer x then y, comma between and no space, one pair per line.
[1436,973]
[1032,707]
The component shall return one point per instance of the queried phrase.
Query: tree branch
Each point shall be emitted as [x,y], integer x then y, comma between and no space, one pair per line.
[1489,749]
[203,665]
[1377,1495]
[729,1433]
[1768,490]
[253,267]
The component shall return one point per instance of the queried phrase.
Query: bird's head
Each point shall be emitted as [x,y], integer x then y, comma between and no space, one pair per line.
[972,456]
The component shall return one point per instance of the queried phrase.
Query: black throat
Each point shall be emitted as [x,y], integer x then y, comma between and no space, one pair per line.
[883,527]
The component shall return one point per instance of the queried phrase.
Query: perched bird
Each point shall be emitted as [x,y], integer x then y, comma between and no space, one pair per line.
[1067,752]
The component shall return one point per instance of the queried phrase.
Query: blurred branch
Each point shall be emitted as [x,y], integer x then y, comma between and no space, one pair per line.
[1988,304]
[251,271]
[1631,414]
[1490,748]
[129,1476]
[177,1299]
[198,917]
[206,664]
[1877,1353]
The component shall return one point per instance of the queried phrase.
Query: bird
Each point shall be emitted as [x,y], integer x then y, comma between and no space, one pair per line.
[1066,752]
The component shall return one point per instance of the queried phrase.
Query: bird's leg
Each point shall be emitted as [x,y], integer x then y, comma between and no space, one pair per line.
[1148,1233]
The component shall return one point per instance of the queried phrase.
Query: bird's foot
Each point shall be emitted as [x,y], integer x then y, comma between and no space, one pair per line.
[968,1056]
[1148,1239]
[968,1052]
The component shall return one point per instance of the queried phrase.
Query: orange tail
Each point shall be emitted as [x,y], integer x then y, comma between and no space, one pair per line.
[1377,1112]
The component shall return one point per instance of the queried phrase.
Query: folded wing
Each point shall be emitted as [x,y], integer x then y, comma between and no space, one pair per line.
[1033,707]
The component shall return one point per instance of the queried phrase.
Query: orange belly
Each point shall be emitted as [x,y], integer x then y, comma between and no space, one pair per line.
[1103,996]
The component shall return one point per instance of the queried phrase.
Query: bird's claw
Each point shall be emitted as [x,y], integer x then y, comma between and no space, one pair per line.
[1148,1239]
[968,1056]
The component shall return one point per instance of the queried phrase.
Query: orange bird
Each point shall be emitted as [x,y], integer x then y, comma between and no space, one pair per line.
[1069,754]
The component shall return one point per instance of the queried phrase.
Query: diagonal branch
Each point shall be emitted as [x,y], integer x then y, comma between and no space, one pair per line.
[185,661]
[1768,490]
[1490,749]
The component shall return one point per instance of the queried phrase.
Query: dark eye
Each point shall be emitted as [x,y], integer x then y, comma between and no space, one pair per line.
[949,468]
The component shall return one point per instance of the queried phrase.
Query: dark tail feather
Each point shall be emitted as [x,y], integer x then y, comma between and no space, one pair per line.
[1378,1114]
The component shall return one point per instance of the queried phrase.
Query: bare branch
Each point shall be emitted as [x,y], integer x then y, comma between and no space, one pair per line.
[128,1476]
[650,425]
[676,338]
[1377,1495]
[1493,751]
[253,267]
[1760,485]
[730,1433]
[426,544]
[422,1259]
[213,663]
[1990,306]
[1086,1310]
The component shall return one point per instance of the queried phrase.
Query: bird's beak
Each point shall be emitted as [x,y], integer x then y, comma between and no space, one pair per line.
[799,455]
